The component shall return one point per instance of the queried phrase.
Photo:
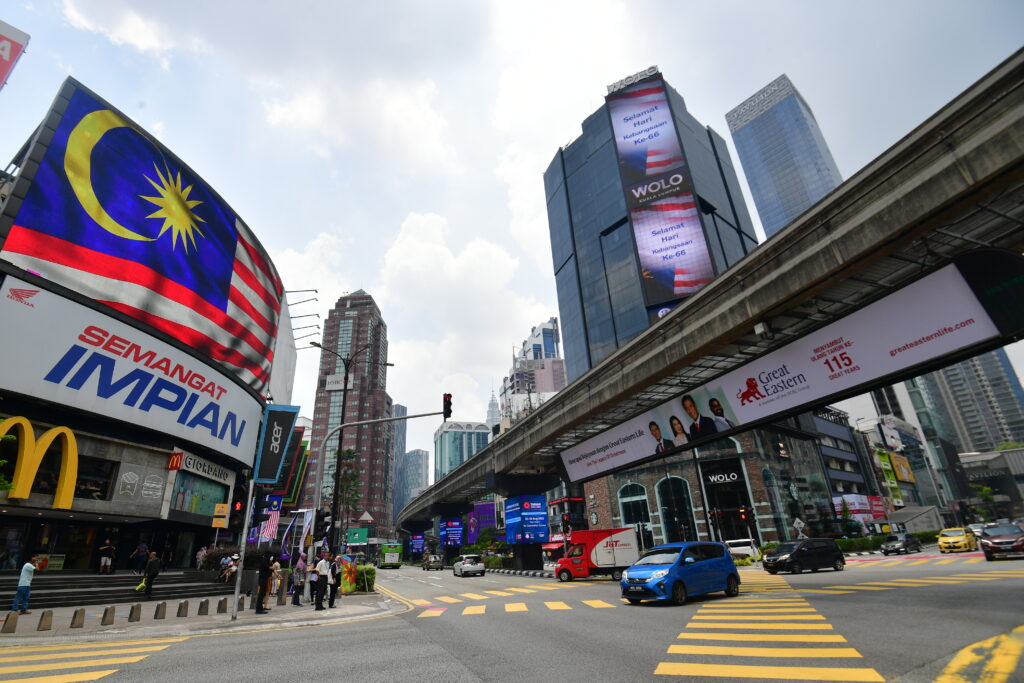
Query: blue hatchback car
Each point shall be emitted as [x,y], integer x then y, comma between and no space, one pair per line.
[675,571]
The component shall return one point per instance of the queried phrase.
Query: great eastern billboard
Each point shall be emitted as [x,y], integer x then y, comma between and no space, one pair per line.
[980,298]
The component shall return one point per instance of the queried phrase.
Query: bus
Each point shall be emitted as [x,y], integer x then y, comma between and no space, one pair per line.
[390,555]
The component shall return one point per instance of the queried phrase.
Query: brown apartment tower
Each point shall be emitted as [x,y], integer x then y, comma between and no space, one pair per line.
[355,329]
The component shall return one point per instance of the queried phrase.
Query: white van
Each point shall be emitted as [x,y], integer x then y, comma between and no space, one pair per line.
[742,547]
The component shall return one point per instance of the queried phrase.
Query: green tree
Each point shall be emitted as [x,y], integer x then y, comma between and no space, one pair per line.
[6,440]
[1009,445]
[348,489]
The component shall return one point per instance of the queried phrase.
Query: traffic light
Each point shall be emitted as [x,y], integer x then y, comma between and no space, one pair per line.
[565,523]
[324,525]
[446,410]
[263,505]
[743,514]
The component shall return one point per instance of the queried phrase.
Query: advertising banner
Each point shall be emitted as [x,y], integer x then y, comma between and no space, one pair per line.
[481,517]
[112,214]
[526,519]
[275,434]
[671,248]
[357,536]
[877,507]
[67,353]
[12,45]
[417,543]
[451,532]
[883,338]
[901,468]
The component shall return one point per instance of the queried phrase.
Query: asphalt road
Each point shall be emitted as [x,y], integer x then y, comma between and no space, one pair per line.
[894,619]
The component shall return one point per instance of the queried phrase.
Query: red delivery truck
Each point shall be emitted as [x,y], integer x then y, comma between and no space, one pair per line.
[596,552]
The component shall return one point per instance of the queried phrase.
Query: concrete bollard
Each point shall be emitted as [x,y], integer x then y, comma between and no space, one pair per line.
[183,608]
[241,603]
[78,618]
[135,614]
[10,623]
[252,601]
[45,620]
[108,616]
[204,608]
[222,606]
[282,595]
[161,611]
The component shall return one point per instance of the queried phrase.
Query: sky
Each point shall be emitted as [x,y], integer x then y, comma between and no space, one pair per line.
[399,147]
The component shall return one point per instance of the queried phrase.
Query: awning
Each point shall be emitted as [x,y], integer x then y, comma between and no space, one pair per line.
[552,546]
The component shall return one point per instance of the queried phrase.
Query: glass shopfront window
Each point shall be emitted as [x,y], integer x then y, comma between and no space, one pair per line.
[196,494]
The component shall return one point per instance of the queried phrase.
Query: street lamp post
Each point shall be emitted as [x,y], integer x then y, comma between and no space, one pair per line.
[347,362]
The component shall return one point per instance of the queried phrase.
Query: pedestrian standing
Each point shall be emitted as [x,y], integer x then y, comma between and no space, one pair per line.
[314,581]
[298,580]
[323,570]
[336,574]
[152,571]
[28,572]
[275,578]
[263,574]
[107,551]
[200,557]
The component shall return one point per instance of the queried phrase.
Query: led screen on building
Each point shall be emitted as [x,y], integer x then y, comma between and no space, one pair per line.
[451,532]
[416,543]
[480,518]
[526,519]
[113,215]
[671,247]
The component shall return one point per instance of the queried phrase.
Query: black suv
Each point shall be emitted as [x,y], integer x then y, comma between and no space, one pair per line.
[809,553]
[1002,540]
[901,543]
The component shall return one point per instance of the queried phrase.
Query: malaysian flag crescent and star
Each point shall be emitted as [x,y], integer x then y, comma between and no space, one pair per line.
[114,215]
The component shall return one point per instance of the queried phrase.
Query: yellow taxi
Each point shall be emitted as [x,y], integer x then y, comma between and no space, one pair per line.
[957,538]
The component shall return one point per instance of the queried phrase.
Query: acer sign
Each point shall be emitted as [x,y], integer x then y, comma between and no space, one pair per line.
[882,340]
[275,434]
[61,351]
[671,248]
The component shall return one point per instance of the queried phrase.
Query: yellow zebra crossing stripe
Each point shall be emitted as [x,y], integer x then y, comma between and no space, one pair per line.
[65,678]
[792,673]
[809,652]
[515,607]
[556,605]
[93,653]
[473,609]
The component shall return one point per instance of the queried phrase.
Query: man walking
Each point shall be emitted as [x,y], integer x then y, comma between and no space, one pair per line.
[335,583]
[323,570]
[28,572]
[152,571]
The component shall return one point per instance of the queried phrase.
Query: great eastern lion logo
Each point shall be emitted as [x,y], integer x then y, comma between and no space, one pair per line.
[751,393]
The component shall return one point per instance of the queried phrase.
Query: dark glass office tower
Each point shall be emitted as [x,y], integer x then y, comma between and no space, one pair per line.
[644,208]
[783,153]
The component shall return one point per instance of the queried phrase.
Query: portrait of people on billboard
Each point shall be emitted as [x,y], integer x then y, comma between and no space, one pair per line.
[673,253]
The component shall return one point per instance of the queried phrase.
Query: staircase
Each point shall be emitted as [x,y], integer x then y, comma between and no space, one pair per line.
[59,589]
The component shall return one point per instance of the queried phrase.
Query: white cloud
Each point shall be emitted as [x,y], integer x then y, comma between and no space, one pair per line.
[123,25]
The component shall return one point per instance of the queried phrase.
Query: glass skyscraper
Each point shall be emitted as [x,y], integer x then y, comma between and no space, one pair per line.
[599,237]
[784,156]
[456,442]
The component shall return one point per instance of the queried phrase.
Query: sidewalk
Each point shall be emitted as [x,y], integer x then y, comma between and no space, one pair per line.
[354,606]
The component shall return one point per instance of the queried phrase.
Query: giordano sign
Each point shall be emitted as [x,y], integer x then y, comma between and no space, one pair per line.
[30,456]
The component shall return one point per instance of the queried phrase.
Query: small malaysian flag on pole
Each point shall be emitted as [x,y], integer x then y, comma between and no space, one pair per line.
[268,531]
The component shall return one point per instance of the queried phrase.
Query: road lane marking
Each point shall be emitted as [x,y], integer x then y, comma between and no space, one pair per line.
[974,560]
[766,627]
[796,673]
[993,660]
[763,617]
[475,596]
[557,605]
[917,562]
[432,612]
[93,653]
[86,646]
[501,593]
[421,603]
[542,587]
[731,651]
[768,610]
[767,637]
[597,604]
[520,590]
[893,583]
[65,678]
[473,609]
[949,561]
[53,666]
[860,588]
[823,591]
[445,598]
[515,607]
